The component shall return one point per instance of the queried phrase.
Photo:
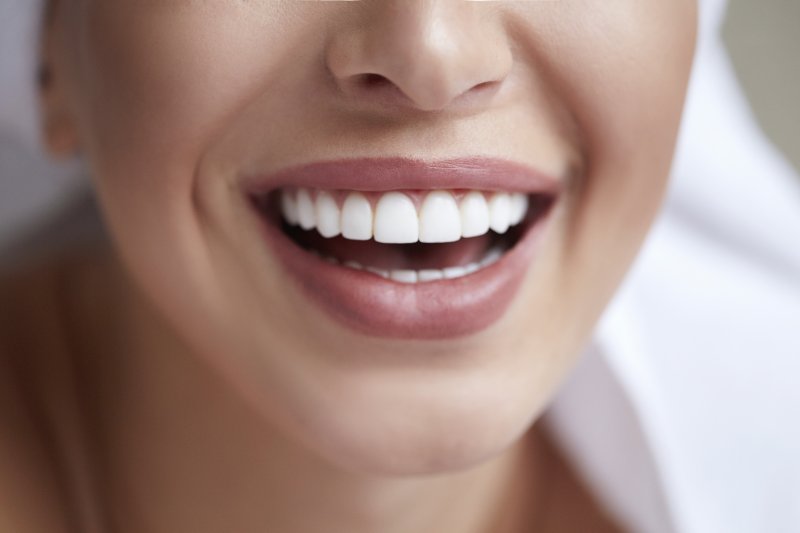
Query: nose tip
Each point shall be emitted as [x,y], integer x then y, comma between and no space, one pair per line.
[425,55]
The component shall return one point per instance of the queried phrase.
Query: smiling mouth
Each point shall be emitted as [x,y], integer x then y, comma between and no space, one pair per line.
[405,236]
[414,262]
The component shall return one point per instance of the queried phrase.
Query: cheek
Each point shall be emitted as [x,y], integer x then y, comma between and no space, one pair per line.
[155,87]
[629,93]
[157,84]
[624,86]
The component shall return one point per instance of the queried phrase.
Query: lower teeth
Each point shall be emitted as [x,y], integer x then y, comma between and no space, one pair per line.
[421,276]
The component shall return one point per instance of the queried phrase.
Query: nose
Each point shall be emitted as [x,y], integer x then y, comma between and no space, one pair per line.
[424,54]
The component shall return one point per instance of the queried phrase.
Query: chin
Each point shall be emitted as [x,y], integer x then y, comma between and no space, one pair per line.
[414,425]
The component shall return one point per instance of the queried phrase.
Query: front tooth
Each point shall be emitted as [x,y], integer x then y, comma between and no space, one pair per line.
[289,207]
[439,218]
[305,209]
[404,276]
[356,218]
[499,212]
[474,215]
[430,275]
[519,208]
[396,219]
[328,223]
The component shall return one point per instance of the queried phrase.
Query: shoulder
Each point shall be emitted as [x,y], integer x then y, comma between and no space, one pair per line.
[40,273]
[28,308]
[31,501]
[28,334]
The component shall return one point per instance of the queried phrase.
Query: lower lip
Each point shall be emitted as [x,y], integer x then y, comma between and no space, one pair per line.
[377,307]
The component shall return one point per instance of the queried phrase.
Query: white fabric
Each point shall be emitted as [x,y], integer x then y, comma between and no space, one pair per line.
[684,414]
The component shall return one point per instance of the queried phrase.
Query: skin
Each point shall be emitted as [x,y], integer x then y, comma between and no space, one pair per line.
[226,400]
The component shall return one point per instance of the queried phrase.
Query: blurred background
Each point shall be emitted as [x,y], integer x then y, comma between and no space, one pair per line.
[763,37]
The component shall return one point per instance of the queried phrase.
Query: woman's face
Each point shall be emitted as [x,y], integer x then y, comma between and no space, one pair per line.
[191,113]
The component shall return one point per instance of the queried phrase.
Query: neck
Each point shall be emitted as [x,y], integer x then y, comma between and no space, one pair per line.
[182,451]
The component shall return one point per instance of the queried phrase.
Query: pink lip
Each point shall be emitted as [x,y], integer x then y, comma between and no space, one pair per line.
[396,173]
[378,307]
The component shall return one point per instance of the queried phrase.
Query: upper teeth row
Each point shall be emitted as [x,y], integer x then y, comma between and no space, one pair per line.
[394,217]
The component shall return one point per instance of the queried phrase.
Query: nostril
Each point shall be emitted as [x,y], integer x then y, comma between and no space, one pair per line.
[371,79]
[371,86]
[484,85]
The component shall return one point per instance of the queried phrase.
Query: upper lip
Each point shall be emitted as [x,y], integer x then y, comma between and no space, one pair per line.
[399,173]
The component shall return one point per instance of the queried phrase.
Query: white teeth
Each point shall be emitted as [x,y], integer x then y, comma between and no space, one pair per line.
[427,275]
[439,218]
[305,209]
[404,276]
[357,217]
[492,257]
[499,212]
[430,275]
[396,219]
[328,223]
[289,207]
[519,208]
[379,271]
[472,267]
[354,265]
[454,272]
[474,215]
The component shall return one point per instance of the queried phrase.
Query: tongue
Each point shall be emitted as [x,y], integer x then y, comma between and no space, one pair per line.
[416,256]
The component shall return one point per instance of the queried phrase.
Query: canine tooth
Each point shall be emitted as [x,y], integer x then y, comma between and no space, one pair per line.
[404,276]
[305,209]
[330,259]
[519,208]
[454,272]
[474,215]
[439,218]
[396,219]
[328,223]
[354,265]
[289,207]
[356,218]
[430,275]
[499,212]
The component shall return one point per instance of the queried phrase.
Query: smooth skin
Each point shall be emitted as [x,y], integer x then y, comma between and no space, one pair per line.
[211,394]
